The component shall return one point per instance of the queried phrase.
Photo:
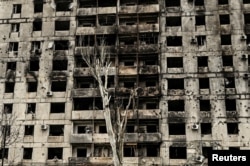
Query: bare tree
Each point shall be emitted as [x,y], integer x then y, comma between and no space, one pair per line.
[98,60]
[10,131]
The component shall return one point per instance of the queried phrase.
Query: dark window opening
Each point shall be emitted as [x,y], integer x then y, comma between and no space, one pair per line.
[150,62]
[35,47]
[81,152]
[62,45]
[127,20]
[202,61]
[32,87]
[102,129]
[150,83]
[177,152]
[81,129]
[38,7]
[87,3]
[55,153]
[107,39]
[129,63]
[9,87]
[230,104]
[13,46]
[17,8]
[234,149]
[225,39]
[6,153]
[175,62]
[152,151]
[125,40]
[173,21]
[200,20]
[176,105]
[224,19]
[199,2]
[86,21]
[224,2]
[174,41]
[62,5]
[206,128]
[58,86]
[109,3]
[227,60]
[57,108]
[87,40]
[15,27]
[129,151]
[232,128]
[152,129]
[8,108]
[37,25]
[60,65]
[81,82]
[176,83]
[151,106]
[87,104]
[34,65]
[176,129]
[130,129]
[31,108]
[246,1]
[206,151]
[11,66]
[107,20]
[201,40]
[205,105]
[27,153]
[247,18]
[29,130]
[56,130]
[229,82]
[62,25]
[79,62]
[204,83]
[148,38]
[141,2]
[129,84]
[148,19]
[6,129]
[174,3]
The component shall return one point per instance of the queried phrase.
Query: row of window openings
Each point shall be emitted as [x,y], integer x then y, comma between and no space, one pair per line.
[177,3]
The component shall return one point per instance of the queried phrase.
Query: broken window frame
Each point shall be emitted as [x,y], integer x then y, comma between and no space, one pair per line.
[55,153]
[201,40]
[13,46]
[229,82]
[36,46]
[31,108]
[17,8]
[15,27]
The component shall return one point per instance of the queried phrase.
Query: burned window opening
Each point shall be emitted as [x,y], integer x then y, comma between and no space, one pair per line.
[35,47]
[63,5]
[13,46]
[79,62]
[206,128]
[11,66]
[148,18]
[128,2]
[102,129]
[27,153]
[247,18]
[232,128]
[143,2]
[7,129]
[87,104]
[87,40]
[34,65]
[9,87]
[230,104]
[31,108]
[226,40]
[127,40]
[60,65]
[202,61]
[201,40]
[173,21]
[56,130]
[176,128]
[81,152]
[8,108]
[29,130]
[37,25]
[129,84]
[177,83]
[107,20]
[206,151]
[246,1]
[229,82]
[57,107]
[6,153]
[224,2]
[175,3]
[224,19]
[130,129]
[205,105]
[175,62]
[129,63]
[81,129]
[86,21]
[109,39]
[129,151]
[15,27]
[152,151]
[233,149]
[32,86]
[151,105]
[62,45]
[58,86]
[55,153]
[174,41]
[199,2]
[204,83]
[38,7]
[200,20]
[227,60]
[127,20]
[110,3]
[62,25]
[87,3]
[148,38]
[177,152]
[176,105]
[17,8]
[151,83]
[86,82]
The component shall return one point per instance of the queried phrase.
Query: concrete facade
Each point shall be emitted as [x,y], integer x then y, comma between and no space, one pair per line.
[188,58]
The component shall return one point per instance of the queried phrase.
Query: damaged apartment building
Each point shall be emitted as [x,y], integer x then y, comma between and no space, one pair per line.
[187,58]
